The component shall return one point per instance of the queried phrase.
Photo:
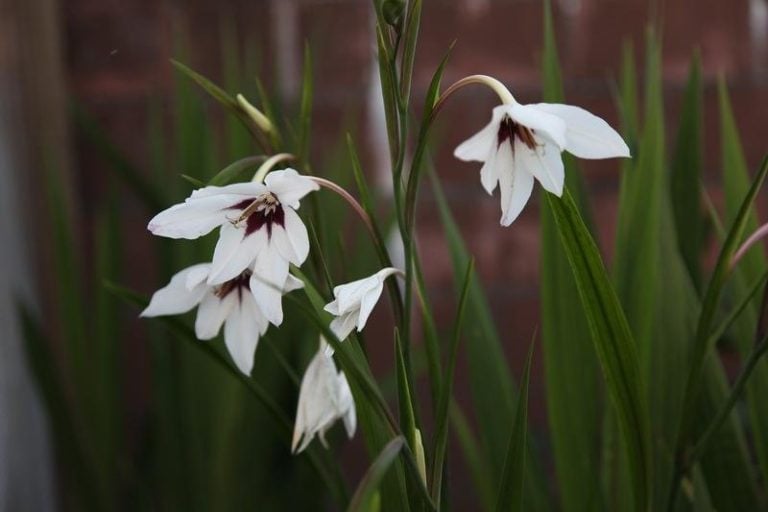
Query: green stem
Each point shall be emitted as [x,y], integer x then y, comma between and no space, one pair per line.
[701,445]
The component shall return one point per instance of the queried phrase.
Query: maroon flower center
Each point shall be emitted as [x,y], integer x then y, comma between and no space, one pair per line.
[237,284]
[264,210]
[509,129]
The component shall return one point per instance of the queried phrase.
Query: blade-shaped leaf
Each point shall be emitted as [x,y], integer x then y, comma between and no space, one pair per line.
[443,404]
[571,369]
[612,341]
[685,177]
[510,495]
[363,498]
[490,381]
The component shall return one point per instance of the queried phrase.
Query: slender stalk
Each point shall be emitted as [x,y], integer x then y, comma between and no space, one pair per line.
[269,163]
[759,234]
[701,445]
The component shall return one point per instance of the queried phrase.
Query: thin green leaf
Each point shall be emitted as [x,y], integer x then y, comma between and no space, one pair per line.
[305,112]
[225,99]
[192,181]
[685,177]
[477,462]
[412,24]
[612,339]
[214,90]
[510,495]
[380,244]
[433,93]
[574,398]
[712,295]
[363,498]
[235,171]
[404,400]
[280,419]
[388,91]
[736,181]
[441,419]
[490,381]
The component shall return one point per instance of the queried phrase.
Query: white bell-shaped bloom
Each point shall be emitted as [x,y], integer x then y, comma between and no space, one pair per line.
[231,303]
[324,398]
[523,142]
[354,302]
[258,223]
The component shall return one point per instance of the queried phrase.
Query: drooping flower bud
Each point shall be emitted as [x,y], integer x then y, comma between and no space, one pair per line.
[255,114]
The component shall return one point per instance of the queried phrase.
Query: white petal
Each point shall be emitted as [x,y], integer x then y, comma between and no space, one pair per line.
[587,136]
[347,405]
[247,189]
[479,146]
[242,331]
[177,297]
[367,304]
[270,272]
[489,173]
[545,162]
[349,295]
[515,186]
[333,308]
[211,314]
[297,235]
[289,186]
[315,410]
[234,252]
[292,283]
[197,216]
[342,326]
[197,275]
[542,123]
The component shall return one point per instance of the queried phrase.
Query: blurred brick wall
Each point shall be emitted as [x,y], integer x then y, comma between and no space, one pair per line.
[117,60]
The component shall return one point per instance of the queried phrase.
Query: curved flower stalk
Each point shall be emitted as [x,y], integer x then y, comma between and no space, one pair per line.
[355,301]
[231,303]
[324,398]
[259,229]
[524,142]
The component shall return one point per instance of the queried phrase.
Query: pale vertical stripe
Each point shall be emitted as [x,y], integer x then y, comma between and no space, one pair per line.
[284,28]
[377,122]
[25,463]
[758,31]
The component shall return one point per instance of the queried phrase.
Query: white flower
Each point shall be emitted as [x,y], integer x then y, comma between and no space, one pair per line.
[354,302]
[523,142]
[324,398]
[259,225]
[230,303]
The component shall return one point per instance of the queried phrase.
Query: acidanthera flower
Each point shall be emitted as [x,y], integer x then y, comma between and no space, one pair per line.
[523,142]
[324,398]
[259,227]
[231,303]
[354,302]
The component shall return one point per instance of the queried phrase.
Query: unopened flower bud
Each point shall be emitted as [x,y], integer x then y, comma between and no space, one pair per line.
[255,114]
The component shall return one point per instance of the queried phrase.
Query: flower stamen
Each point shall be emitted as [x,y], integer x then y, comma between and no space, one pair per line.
[509,130]
[236,284]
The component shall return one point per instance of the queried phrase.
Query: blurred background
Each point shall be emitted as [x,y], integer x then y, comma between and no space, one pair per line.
[91,111]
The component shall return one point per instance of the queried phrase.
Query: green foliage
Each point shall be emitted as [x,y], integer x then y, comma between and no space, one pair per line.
[640,413]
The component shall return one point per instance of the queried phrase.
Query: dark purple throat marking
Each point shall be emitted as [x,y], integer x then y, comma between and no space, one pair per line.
[237,284]
[509,129]
[264,210]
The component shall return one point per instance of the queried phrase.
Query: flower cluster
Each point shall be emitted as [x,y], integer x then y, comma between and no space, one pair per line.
[261,235]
